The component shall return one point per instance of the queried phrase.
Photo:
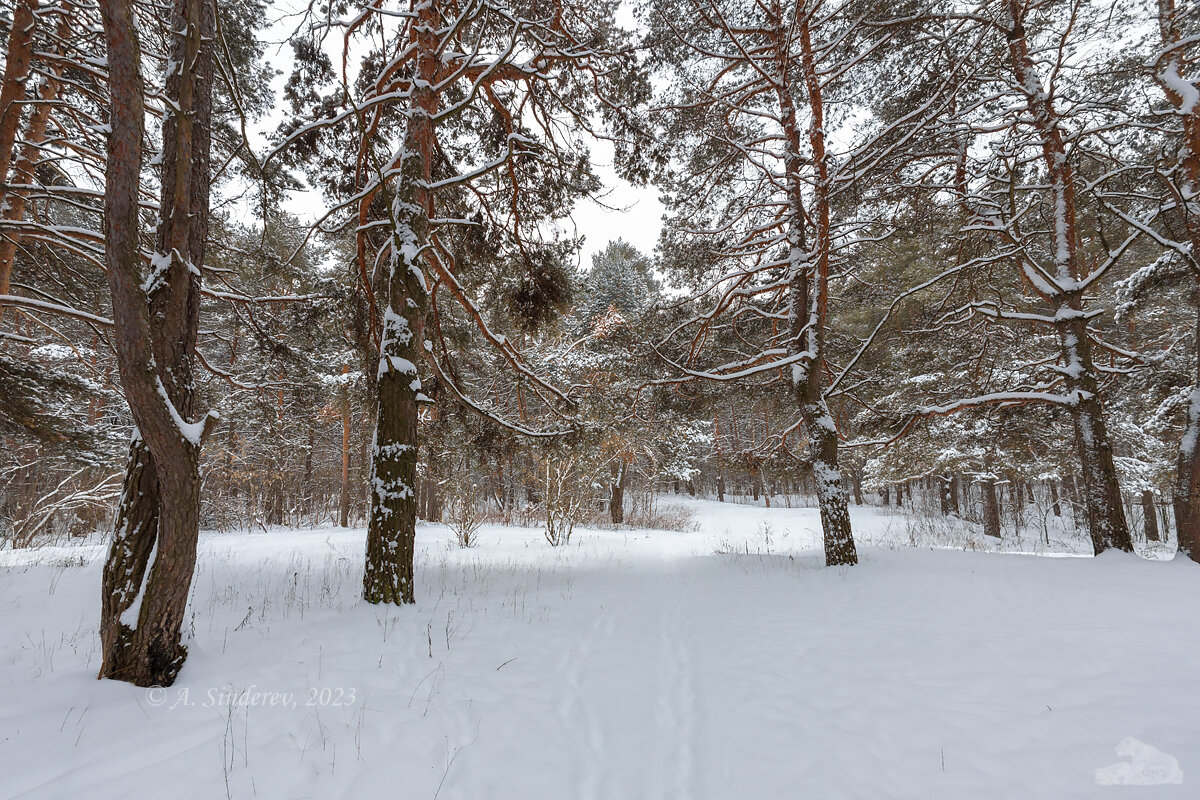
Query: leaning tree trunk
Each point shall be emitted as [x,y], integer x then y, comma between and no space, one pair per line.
[159,512]
[134,535]
[392,524]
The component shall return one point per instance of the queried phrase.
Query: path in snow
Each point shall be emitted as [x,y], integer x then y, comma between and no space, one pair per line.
[629,665]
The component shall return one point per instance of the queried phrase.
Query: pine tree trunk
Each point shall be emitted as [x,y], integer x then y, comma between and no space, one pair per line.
[134,535]
[1187,472]
[1101,491]
[1018,497]
[616,503]
[720,459]
[155,360]
[391,528]
[344,499]
[1150,520]
[991,508]
[17,63]
[13,201]
[831,495]
[1172,70]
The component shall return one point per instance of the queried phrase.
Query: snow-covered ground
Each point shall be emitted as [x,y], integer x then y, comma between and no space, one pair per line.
[717,663]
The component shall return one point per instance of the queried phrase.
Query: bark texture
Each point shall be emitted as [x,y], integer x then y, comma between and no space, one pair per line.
[25,171]
[991,507]
[1174,65]
[391,528]
[155,328]
[1065,293]
[808,280]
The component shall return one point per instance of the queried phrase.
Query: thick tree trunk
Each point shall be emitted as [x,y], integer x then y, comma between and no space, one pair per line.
[1055,505]
[155,360]
[1101,491]
[134,535]
[391,529]
[831,495]
[1061,289]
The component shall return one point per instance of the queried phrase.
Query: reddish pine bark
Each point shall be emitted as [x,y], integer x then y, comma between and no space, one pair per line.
[159,509]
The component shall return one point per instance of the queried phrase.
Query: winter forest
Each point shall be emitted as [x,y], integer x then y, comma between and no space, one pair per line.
[599,398]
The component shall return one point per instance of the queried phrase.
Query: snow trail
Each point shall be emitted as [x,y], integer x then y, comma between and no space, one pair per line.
[631,664]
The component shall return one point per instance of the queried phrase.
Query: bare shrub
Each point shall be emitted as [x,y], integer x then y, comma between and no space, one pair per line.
[568,495]
[663,518]
[75,506]
[464,513]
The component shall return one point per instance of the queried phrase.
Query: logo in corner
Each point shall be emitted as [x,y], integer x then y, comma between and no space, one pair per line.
[1147,766]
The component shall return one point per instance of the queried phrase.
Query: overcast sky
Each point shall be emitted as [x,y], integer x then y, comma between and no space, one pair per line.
[623,211]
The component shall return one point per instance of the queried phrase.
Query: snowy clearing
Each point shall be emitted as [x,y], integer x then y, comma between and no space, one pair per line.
[625,665]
